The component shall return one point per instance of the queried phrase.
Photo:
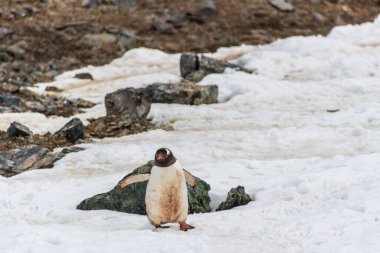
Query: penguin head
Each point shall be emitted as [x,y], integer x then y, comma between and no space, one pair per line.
[164,157]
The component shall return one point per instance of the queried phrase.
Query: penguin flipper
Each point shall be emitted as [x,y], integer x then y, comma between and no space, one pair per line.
[133,179]
[190,178]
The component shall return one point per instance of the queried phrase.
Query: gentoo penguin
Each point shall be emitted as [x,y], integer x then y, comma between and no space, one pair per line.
[166,193]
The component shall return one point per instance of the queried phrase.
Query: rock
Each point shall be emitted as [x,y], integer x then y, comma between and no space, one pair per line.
[188,63]
[5,57]
[126,43]
[16,51]
[53,89]
[101,38]
[166,22]
[128,33]
[282,5]
[35,106]
[81,103]
[72,130]
[194,68]
[131,198]
[72,149]
[6,166]
[12,102]
[235,197]
[10,87]
[182,93]
[4,32]
[53,105]
[28,158]
[90,3]
[18,130]
[210,65]
[161,25]
[319,17]
[208,8]
[84,76]
[128,103]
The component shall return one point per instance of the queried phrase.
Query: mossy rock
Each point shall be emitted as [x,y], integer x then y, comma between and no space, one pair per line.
[235,197]
[131,198]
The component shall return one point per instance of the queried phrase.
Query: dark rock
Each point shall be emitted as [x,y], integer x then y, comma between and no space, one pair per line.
[194,68]
[73,149]
[81,103]
[12,102]
[84,76]
[235,197]
[52,105]
[73,130]
[182,93]
[188,63]
[131,198]
[52,89]
[5,57]
[18,130]
[6,166]
[128,103]
[282,5]
[210,65]
[28,158]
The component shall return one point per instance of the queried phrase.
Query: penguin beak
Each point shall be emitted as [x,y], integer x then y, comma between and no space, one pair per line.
[160,157]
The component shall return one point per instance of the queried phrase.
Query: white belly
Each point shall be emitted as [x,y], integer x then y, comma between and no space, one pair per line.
[166,195]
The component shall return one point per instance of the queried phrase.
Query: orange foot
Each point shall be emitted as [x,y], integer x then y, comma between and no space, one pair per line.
[159,226]
[184,226]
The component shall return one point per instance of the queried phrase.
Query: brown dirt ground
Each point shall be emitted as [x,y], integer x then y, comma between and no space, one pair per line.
[54,32]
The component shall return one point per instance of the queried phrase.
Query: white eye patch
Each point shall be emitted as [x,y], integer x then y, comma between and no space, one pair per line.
[167,151]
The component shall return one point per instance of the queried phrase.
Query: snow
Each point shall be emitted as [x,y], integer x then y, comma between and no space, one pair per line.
[313,174]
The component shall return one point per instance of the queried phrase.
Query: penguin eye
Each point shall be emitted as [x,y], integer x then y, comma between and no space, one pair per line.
[167,151]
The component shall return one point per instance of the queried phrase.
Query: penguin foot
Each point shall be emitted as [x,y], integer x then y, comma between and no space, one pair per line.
[184,226]
[159,226]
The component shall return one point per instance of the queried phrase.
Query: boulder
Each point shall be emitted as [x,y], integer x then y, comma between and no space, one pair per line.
[129,194]
[128,103]
[182,93]
[18,130]
[235,197]
[73,130]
